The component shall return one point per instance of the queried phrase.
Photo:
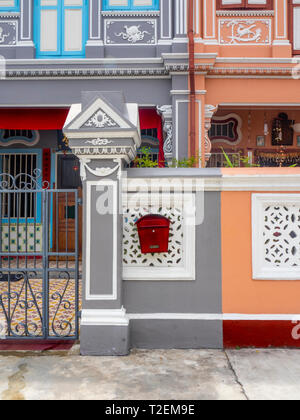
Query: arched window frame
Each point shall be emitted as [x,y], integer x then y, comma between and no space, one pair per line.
[236,119]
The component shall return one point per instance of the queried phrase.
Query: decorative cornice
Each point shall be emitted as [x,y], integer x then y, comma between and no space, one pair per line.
[260,71]
[78,73]
[121,152]
[245,13]
[164,71]
[259,181]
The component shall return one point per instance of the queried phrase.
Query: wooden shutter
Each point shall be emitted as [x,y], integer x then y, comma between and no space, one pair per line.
[294,25]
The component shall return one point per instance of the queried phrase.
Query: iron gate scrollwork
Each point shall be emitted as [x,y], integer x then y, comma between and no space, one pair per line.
[39,259]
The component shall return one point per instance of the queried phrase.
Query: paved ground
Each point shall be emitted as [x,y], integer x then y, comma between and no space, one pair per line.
[172,374]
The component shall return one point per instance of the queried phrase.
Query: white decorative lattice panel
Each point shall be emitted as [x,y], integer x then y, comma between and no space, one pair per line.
[276,236]
[179,262]
[131,245]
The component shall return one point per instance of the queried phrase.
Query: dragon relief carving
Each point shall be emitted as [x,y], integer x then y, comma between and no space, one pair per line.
[245,31]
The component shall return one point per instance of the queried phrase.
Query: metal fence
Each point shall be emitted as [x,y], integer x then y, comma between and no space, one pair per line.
[218,160]
[39,260]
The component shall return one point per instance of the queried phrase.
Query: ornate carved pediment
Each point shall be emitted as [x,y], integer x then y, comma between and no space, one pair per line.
[103,127]
[100,119]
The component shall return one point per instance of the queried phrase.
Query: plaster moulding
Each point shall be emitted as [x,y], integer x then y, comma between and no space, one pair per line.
[130,14]
[98,172]
[104,317]
[9,15]
[245,13]
[238,128]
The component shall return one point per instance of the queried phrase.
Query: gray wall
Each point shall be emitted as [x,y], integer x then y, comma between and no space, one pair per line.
[67,92]
[201,296]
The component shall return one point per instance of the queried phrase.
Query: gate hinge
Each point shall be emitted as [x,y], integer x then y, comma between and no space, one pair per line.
[80,201]
[79,314]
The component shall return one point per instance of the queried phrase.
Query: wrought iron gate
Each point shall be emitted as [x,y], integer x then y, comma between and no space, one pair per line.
[39,260]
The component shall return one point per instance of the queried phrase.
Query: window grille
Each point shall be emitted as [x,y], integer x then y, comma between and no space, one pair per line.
[8,134]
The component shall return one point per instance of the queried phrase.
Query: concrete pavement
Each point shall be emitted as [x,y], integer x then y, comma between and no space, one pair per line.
[158,374]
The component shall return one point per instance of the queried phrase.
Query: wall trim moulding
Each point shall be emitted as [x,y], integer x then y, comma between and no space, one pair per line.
[245,13]
[89,296]
[275,236]
[257,182]
[130,14]
[9,15]
[104,317]
[79,73]
[259,71]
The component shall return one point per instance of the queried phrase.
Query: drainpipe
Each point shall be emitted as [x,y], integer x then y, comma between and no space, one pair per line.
[192,119]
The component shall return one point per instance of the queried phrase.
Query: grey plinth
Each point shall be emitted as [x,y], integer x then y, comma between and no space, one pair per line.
[103,132]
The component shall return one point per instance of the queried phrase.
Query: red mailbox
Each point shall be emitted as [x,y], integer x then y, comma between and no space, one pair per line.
[154,231]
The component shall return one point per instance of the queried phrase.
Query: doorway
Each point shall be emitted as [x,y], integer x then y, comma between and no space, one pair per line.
[64,226]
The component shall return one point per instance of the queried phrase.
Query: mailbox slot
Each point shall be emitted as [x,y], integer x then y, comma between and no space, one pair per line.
[154,232]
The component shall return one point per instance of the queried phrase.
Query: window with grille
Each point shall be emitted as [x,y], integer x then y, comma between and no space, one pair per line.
[9,134]
[226,129]
[26,137]
[150,132]
[22,168]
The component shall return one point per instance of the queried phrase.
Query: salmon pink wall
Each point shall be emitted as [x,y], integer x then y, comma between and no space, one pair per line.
[216,29]
[251,90]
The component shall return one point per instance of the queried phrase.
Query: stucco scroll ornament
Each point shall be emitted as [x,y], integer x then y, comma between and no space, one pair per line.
[166,111]
[133,34]
[168,144]
[2,35]
[98,172]
[244,32]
